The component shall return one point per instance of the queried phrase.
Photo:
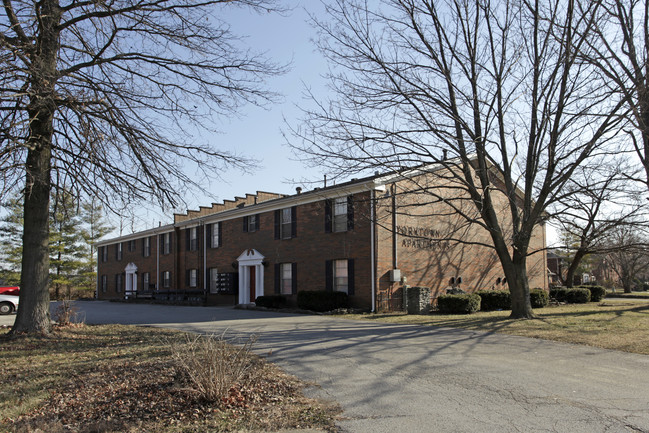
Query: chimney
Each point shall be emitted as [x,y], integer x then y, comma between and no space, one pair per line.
[298,190]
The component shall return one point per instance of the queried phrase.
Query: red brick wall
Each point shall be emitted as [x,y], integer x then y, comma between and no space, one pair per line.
[427,254]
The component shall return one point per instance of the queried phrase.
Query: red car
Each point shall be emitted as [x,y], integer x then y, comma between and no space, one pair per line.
[13,290]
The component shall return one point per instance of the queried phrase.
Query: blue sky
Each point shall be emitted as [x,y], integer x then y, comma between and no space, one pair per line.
[257,132]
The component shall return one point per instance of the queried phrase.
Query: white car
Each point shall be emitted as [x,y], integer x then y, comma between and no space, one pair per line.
[8,304]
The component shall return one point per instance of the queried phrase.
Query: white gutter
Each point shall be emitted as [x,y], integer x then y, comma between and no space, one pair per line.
[157,264]
[373,264]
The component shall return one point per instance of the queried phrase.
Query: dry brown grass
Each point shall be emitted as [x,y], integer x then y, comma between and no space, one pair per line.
[611,324]
[125,379]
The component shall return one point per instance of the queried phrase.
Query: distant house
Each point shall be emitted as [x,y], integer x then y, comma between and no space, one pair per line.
[366,237]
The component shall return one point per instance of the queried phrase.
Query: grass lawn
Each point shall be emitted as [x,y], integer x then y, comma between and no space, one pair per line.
[620,324]
[621,294]
[125,379]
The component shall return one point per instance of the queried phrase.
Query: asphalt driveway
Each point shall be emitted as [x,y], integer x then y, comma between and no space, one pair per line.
[403,378]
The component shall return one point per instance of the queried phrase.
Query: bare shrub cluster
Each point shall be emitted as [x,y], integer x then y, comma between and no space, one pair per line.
[214,366]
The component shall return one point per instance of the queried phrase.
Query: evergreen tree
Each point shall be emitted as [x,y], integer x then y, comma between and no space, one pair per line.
[94,227]
[11,247]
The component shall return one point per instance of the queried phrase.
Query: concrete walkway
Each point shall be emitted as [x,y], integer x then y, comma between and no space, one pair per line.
[403,378]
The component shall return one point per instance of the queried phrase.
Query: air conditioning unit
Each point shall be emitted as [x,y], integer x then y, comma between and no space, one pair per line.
[395,275]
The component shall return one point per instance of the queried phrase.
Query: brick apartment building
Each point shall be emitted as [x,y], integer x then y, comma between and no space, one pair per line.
[367,237]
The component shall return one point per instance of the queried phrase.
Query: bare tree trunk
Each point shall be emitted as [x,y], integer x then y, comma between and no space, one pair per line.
[516,273]
[570,275]
[34,310]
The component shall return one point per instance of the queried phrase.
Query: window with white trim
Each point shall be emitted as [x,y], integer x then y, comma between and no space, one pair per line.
[104,254]
[104,282]
[192,277]
[166,279]
[166,243]
[214,280]
[341,276]
[286,282]
[119,282]
[145,280]
[118,251]
[193,239]
[285,227]
[146,246]
[340,214]
[214,237]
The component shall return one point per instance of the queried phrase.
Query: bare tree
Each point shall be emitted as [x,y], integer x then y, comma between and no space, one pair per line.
[102,98]
[496,84]
[621,51]
[597,202]
[630,257]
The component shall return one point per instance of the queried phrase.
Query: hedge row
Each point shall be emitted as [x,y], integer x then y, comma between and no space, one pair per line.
[272,301]
[578,295]
[322,300]
[458,304]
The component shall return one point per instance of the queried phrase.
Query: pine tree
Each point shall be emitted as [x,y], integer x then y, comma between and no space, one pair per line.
[11,247]
[94,228]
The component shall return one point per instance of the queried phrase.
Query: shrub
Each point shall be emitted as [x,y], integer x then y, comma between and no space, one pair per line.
[213,366]
[455,291]
[458,304]
[322,300]
[597,293]
[491,300]
[66,313]
[539,298]
[558,293]
[578,296]
[273,301]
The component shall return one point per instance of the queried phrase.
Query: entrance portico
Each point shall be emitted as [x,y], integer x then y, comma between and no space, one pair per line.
[251,276]
[131,280]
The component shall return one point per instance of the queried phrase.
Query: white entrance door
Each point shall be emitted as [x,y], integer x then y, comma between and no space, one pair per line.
[251,276]
[131,280]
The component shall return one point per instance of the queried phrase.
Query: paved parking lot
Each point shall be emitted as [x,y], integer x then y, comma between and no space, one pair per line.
[407,378]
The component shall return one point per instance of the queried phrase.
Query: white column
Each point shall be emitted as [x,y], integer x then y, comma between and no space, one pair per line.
[242,284]
[259,281]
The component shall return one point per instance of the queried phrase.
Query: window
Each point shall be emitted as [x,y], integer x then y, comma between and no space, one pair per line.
[192,275]
[146,247]
[166,279]
[285,227]
[339,214]
[192,239]
[118,251]
[214,280]
[104,254]
[166,243]
[104,282]
[286,223]
[145,281]
[131,246]
[251,223]
[119,282]
[287,279]
[340,275]
[214,235]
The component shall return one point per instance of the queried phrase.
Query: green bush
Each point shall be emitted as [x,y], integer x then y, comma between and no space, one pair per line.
[491,300]
[558,293]
[597,293]
[539,298]
[458,304]
[578,296]
[322,300]
[273,301]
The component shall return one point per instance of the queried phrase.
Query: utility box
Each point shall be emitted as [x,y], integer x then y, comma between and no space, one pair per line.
[395,276]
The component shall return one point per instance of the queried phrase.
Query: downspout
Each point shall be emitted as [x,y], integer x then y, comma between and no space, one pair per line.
[157,264]
[395,262]
[372,253]
[205,289]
